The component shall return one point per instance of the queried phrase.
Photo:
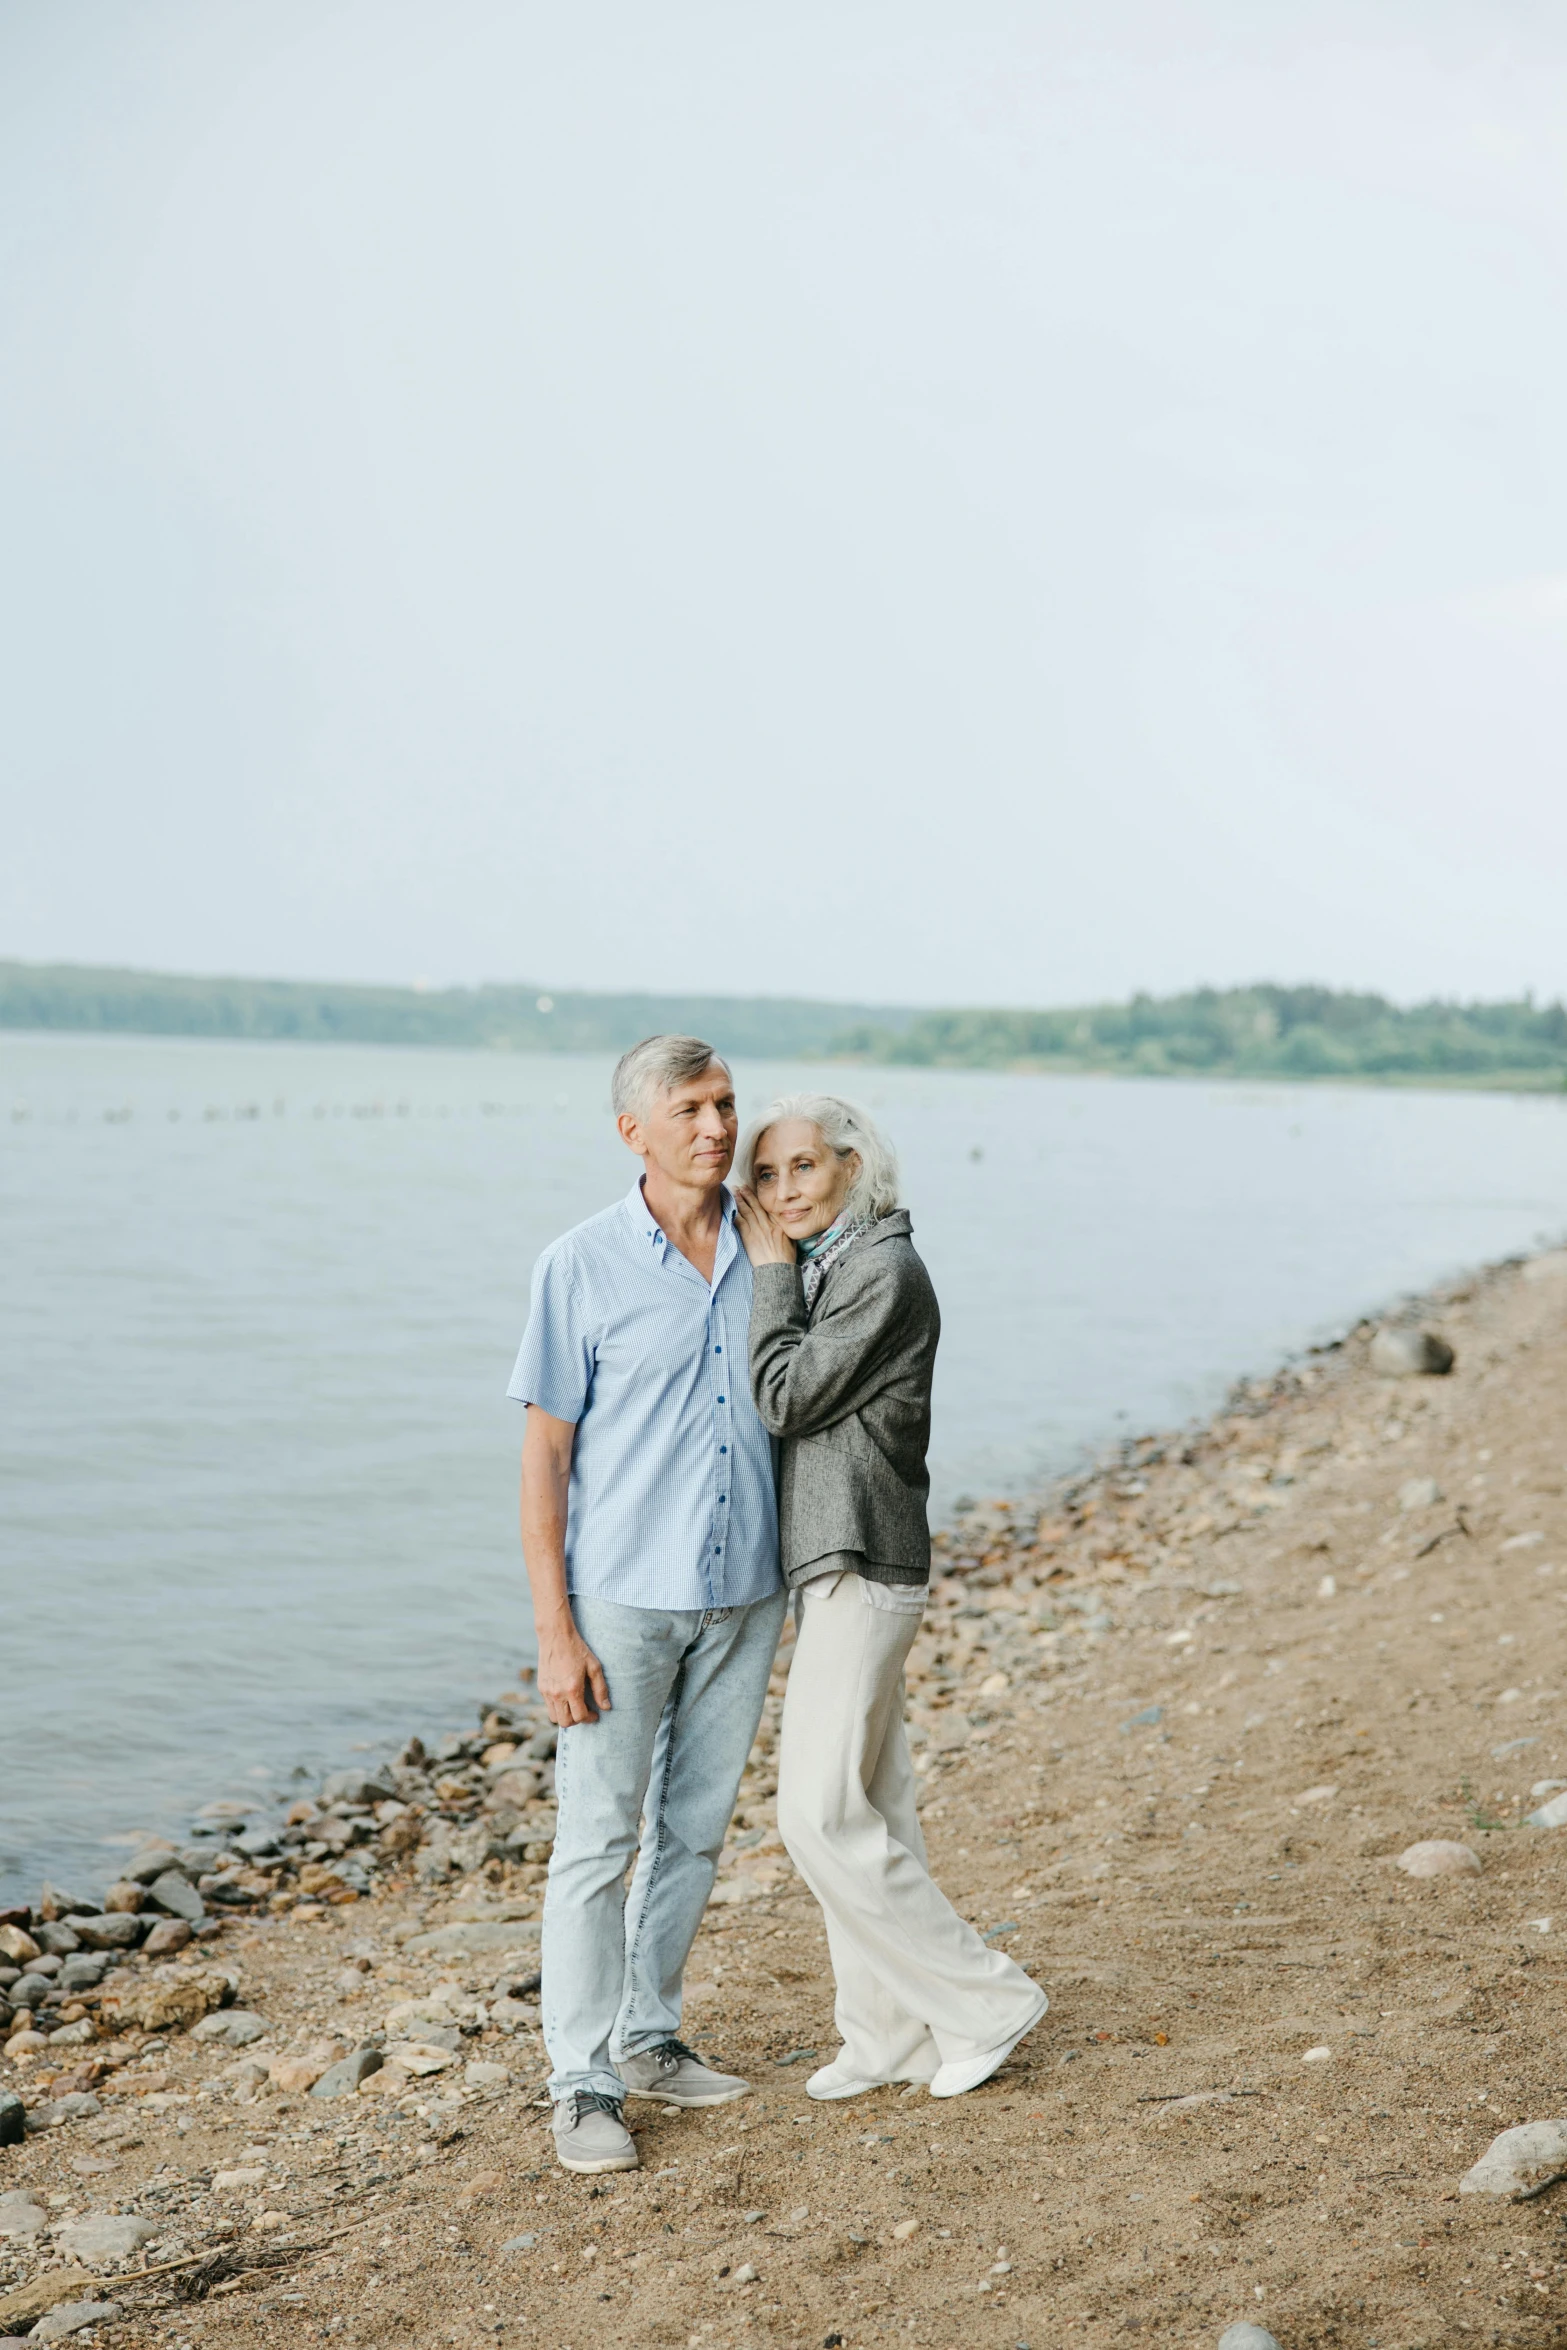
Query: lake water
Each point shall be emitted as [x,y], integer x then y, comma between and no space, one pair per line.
[261,1303]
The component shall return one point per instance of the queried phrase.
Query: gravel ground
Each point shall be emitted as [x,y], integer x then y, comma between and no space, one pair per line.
[1174,1726]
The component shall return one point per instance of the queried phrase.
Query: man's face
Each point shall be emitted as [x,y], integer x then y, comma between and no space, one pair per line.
[688,1134]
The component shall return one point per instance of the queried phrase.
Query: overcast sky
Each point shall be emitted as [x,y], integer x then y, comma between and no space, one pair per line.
[934,502]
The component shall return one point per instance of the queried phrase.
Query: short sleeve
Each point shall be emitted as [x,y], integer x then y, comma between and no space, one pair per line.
[555,1362]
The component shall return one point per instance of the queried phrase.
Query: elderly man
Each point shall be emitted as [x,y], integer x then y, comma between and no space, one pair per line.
[650,1533]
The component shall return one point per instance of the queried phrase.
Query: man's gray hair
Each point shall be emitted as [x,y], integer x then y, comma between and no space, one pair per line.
[843,1127]
[655,1066]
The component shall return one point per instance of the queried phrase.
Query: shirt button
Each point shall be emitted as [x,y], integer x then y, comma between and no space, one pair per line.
[718,1350]
[720,1399]
[723,1497]
[723,1448]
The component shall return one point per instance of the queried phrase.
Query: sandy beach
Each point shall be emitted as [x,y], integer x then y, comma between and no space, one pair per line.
[1175,1726]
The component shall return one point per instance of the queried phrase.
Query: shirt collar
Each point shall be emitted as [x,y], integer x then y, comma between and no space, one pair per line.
[651,1232]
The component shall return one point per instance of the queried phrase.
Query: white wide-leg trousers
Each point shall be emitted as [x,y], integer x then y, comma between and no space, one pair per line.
[917,1988]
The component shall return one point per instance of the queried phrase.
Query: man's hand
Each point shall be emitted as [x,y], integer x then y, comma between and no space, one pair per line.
[571,1679]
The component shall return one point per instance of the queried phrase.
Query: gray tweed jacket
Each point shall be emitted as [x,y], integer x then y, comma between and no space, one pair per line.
[846,1390]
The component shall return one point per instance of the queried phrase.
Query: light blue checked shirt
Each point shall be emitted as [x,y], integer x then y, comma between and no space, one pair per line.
[672,1501]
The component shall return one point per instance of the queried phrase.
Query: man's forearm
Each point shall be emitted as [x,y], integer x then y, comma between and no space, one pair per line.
[571,1679]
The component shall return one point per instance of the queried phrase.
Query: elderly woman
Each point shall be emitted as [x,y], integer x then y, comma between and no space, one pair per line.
[843,1340]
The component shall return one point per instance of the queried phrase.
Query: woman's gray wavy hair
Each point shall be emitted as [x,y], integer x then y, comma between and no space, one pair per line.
[843,1127]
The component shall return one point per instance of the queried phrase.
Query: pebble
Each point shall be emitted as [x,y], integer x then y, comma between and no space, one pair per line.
[104,2235]
[1243,2335]
[1519,2160]
[125,1895]
[1419,1493]
[1316,2056]
[17,1945]
[519,2244]
[1409,1354]
[73,2317]
[343,2078]
[1549,1815]
[229,2182]
[20,2216]
[1148,1719]
[481,2074]
[1436,1857]
[745,2274]
[13,2118]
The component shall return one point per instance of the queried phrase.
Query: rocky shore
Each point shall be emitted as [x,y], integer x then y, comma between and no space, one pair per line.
[1181,1727]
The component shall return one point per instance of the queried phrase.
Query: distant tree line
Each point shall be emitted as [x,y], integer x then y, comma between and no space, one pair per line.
[1287,1032]
[516,1019]
[1263,1031]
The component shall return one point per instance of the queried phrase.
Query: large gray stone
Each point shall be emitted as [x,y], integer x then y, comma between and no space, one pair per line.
[104,2235]
[1520,2161]
[1436,1856]
[1407,1353]
[1549,1815]
[79,2105]
[343,2078]
[174,1892]
[20,2217]
[55,1902]
[56,1939]
[74,2317]
[85,1970]
[150,1862]
[466,1940]
[257,1844]
[357,1787]
[117,1930]
[234,2027]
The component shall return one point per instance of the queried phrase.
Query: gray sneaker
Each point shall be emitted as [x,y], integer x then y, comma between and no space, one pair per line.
[675,2075]
[590,2135]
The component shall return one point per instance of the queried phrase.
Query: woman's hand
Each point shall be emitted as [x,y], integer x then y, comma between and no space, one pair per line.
[764,1243]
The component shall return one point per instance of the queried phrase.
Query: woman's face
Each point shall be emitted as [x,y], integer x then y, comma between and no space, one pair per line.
[799,1181]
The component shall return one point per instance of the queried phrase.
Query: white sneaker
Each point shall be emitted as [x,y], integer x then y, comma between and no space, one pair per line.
[955,2080]
[837,2080]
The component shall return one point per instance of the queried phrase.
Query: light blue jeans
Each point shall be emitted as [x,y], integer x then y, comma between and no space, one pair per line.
[686,1691]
